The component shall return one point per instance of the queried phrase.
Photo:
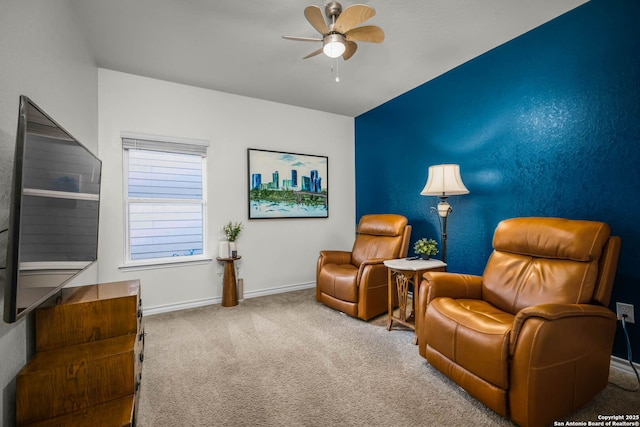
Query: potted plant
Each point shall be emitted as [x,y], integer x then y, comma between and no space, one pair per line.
[425,247]
[232,231]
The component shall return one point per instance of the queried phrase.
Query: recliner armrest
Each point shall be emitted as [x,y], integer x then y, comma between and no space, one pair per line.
[437,284]
[330,257]
[552,312]
[373,261]
[334,257]
[370,267]
[560,356]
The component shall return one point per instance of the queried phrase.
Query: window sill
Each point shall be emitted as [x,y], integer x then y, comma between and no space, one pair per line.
[165,263]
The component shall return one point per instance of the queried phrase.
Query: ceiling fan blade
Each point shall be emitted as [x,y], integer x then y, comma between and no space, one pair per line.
[353,16]
[316,19]
[351,48]
[303,39]
[368,33]
[314,53]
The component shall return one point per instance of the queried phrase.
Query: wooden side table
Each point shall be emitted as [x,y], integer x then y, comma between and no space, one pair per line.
[229,291]
[405,272]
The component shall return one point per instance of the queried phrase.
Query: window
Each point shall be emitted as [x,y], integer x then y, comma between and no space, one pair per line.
[165,200]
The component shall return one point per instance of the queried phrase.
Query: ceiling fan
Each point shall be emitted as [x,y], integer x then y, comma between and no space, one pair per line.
[339,37]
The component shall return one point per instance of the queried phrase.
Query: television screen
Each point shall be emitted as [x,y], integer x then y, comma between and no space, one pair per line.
[53,229]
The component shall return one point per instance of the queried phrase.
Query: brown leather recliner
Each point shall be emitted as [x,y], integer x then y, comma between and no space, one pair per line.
[356,282]
[532,337]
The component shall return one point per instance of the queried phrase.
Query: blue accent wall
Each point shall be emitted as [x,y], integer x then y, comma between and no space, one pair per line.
[547,124]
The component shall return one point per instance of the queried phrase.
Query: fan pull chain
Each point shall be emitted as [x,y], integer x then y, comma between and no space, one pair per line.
[333,19]
[336,68]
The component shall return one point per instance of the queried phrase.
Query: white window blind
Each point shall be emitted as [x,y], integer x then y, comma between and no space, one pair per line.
[165,199]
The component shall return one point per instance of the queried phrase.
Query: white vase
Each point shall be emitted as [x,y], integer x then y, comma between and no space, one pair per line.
[223,249]
[233,250]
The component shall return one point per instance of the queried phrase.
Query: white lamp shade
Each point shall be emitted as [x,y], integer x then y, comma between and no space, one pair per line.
[444,180]
[334,45]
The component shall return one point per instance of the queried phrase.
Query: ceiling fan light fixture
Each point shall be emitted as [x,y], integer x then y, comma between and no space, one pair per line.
[340,29]
[334,45]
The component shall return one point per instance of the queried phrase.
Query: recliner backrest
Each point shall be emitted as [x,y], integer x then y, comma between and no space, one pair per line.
[379,236]
[544,260]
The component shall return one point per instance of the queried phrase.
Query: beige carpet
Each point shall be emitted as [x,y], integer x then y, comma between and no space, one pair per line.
[285,360]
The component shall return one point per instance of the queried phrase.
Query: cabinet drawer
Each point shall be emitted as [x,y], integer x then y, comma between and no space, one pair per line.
[89,313]
[119,412]
[62,381]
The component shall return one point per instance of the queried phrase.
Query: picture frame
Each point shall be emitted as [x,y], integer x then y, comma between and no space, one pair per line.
[287,185]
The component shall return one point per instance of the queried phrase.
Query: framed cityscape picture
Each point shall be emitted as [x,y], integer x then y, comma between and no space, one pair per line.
[287,185]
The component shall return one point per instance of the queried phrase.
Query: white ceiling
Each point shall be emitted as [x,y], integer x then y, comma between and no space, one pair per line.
[235,46]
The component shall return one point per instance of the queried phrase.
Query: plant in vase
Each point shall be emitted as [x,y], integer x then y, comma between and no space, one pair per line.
[232,231]
[425,247]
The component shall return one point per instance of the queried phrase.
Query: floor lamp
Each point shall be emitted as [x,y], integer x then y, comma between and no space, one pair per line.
[444,181]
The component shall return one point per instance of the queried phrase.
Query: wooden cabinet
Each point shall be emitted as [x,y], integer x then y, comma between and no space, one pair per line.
[88,363]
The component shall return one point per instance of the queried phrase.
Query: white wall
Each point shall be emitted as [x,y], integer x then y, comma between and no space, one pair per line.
[275,254]
[42,56]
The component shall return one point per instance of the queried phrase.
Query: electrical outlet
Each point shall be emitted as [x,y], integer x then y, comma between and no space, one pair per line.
[623,309]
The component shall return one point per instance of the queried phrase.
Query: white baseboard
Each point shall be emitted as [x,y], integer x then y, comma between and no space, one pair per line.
[149,311]
[280,290]
[623,364]
[158,309]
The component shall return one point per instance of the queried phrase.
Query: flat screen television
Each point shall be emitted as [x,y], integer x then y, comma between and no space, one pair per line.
[55,204]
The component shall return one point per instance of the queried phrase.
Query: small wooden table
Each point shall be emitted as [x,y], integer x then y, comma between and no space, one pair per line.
[229,290]
[408,271]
